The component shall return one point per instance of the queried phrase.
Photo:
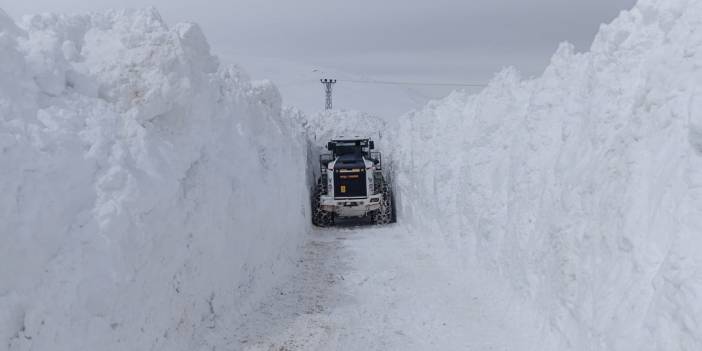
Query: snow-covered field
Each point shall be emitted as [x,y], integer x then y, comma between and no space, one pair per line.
[139,180]
[157,199]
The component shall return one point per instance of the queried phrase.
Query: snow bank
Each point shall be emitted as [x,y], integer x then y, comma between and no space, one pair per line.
[137,177]
[583,187]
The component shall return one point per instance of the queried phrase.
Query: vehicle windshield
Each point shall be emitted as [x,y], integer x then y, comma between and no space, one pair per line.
[348,148]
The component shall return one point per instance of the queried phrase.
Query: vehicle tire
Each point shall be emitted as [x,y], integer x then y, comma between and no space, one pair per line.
[320,217]
[383,215]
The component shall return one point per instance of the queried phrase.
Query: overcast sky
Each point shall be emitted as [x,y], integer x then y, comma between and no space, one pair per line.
[309,29]
[436,40]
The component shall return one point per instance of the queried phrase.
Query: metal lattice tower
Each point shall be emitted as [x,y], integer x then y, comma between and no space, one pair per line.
[328,85]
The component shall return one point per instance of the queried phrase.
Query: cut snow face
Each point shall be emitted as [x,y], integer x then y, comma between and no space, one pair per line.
[581,188]
[137,175]
[336,123]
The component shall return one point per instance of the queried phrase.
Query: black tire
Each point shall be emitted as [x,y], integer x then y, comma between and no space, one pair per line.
[320,217]
[383,215]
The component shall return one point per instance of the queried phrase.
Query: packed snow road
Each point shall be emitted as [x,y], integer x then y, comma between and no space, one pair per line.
[380,289]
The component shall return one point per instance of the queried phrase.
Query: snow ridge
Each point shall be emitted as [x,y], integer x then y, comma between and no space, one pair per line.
[582,187]
[137,175]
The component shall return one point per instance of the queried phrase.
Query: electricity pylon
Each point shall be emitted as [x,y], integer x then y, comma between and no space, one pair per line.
[328,85]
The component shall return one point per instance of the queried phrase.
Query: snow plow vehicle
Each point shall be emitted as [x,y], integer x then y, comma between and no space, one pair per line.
[351,184]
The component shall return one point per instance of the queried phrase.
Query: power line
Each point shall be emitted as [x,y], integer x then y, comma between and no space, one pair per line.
[386,82]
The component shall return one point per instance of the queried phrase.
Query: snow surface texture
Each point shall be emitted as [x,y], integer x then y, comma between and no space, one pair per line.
[583,187]
[137,176]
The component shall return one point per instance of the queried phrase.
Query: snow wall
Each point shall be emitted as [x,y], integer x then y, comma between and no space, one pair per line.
[582,188]
[137,176]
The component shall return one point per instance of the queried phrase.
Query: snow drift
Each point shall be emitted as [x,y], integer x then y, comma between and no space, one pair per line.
[582,187]
[137,177]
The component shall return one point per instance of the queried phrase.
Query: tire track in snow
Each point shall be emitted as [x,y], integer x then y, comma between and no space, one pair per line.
[297,315]
[382,288]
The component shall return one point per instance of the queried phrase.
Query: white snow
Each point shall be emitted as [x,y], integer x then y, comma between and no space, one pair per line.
[379,289]
[139,181]
[580,188]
